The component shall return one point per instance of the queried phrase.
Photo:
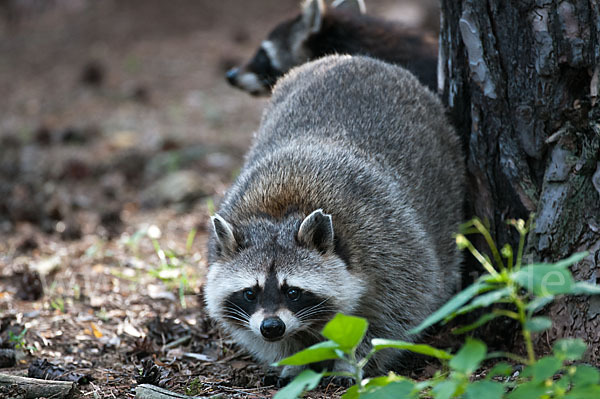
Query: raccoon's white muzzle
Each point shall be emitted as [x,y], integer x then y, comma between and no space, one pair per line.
[274,327]
[247,81]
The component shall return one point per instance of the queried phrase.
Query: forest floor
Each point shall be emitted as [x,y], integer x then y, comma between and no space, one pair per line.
[118,137]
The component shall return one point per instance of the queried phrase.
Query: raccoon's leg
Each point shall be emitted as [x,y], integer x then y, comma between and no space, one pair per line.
[281,376]
[380,363]
[343,381]
[290,372]
[342,366]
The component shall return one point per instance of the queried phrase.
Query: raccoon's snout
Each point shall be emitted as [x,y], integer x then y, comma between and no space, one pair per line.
[231,75]
[272,328]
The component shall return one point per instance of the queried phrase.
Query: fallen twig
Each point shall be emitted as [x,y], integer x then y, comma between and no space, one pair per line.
[36,388]
[146,391]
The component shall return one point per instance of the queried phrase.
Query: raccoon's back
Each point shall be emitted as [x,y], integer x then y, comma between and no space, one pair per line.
[381,113]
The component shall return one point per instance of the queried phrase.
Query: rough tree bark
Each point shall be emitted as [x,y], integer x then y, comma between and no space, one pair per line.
[521,79]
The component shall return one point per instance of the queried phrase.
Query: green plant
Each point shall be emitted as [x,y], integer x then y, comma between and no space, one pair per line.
[18,340]
[519,290]
[102,314]
[170,270]
[190,240]
[58,304]
[173,268]
[194,387]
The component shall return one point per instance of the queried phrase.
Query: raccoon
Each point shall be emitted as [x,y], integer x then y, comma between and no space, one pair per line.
[340,29]
[347,202]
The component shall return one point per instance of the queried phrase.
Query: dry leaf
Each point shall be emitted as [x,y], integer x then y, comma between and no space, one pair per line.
[97,332]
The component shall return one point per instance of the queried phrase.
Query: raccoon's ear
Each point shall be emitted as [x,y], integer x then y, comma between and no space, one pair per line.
[316,231]
[224,234]
[312,14]
[352,6]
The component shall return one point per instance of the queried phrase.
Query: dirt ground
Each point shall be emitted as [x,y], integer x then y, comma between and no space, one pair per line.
[118,137]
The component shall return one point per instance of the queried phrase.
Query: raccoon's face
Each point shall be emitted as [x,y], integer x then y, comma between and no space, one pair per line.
[282,50]
[273,285]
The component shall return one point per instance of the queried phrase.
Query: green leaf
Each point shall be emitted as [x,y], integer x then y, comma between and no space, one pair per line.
[423,349]
[316,353]
[562,383]
[544,280]
[485,300]
[481,321]
[571,259]
[587,392]
[490,298]
[390,385]
[484,390]
[528,390]
[305,381]
[538,303]
[445,389]
[537,324]
[351,393]
[500,368]
[469,357]
[569,348]
[585,375]
[583,288]
[395,389]
[347,331]
[383,380]
[422,385]
[454,303]
[543,369]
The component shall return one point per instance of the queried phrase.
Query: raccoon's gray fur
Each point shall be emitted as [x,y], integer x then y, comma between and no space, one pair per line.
[347,202]
[341,28]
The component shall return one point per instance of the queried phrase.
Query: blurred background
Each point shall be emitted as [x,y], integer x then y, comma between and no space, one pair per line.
[102,101]
[118,136]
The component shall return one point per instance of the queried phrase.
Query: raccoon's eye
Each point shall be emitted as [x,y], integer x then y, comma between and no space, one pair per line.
[249,295]
[293,294]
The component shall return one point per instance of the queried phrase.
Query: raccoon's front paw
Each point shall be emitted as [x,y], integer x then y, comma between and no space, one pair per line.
[290,372]
[283,378]
[344,382]
[275,380]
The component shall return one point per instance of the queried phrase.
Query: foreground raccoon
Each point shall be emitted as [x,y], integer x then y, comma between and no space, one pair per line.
[342,29]
[347,202]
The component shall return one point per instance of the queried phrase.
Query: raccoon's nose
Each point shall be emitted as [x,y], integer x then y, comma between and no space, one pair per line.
[272,328]
[231,75]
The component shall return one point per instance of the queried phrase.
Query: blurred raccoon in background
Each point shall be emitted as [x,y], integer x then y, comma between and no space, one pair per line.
[341,28]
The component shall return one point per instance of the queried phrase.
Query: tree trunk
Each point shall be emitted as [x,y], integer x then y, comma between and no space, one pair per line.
[521,79]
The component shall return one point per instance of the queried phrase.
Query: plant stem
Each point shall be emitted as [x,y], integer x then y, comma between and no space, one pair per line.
[488,238]
[523,230]
[363,362]
[160,253]
[520,251]
[190,240]
[339,374]
[507,313]
[357,368]
[508,355]
[510,261]
[529,345]
[525,331]
[481,259]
